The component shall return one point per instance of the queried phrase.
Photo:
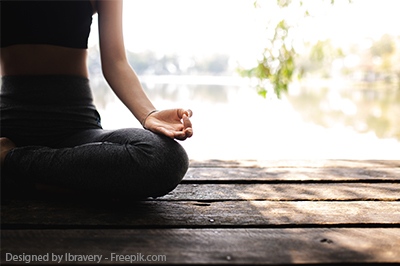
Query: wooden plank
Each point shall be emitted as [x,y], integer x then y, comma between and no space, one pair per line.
[269,191]
[296,163]
[291,174]
[72,213]
[322,191]
[211,246]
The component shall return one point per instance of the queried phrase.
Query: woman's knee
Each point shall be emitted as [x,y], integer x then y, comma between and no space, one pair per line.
[171,165]
[162,150]
[163,161]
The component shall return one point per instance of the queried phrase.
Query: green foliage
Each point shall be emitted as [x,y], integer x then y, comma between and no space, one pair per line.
[383,46]
[277,64]
[324,51]
[277,67]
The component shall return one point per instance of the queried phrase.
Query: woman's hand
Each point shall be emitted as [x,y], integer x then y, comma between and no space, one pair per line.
[173,123]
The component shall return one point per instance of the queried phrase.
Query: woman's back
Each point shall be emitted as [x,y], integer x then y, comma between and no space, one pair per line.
[38,59]
[46,37]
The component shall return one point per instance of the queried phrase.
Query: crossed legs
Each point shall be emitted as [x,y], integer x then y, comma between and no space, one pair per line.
[132,163]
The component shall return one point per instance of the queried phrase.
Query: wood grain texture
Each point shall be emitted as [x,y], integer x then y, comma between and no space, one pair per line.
[312,191]
[193,214]
[317,163]
[242,174]
[226,212]
[215,246]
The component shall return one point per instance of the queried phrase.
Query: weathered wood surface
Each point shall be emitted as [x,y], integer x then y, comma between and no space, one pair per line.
[361,164]
[192,214]
[227,212]
[216,246]
[312,191]
[338,174]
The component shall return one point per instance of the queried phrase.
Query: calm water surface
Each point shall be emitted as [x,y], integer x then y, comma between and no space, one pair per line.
[232,122]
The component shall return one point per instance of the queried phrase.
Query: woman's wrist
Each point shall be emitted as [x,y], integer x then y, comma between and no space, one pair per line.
[144,120]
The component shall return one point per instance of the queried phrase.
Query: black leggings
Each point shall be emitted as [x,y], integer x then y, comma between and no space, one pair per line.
[60,142]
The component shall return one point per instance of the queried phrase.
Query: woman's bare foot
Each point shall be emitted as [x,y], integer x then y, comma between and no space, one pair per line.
[5,146]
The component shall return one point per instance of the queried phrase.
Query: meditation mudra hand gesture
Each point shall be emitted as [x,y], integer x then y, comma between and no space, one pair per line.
[64,144]
[174,123]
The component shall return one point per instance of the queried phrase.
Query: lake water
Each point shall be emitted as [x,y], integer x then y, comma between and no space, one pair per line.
[231,121]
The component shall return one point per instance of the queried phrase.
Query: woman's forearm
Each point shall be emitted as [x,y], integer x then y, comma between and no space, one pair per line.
[126,85]
[174,123]
[116,69]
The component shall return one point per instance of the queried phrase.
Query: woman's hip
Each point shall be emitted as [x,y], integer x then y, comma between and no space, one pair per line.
[35,107]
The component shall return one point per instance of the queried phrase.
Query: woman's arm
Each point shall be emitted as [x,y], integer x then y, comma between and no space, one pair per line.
[122,79]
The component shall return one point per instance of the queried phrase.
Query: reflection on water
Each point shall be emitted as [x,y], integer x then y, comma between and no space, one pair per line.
[232,122]
[364,110]
[207,93]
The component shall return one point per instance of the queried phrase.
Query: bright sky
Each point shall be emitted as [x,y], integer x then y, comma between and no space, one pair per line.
[190,27]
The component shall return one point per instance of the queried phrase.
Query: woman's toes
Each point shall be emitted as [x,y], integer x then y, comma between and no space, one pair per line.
[5,146]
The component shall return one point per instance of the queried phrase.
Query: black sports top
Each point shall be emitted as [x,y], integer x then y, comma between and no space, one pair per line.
[61,23]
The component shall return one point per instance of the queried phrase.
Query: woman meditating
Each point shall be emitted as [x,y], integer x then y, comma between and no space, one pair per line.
[50,130]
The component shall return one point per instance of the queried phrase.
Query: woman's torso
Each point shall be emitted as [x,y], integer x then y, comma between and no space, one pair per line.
[44,59]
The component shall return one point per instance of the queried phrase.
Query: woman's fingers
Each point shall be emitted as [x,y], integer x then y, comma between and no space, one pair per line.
[168,125]
[182,112]
[180,135]
[187,126]
[186,122]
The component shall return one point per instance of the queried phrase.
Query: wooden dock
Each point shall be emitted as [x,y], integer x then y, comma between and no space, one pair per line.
[223,212]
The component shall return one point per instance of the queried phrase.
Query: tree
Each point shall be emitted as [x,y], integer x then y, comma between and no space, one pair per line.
[277,67]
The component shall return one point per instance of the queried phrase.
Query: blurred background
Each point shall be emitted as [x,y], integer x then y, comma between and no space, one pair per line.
[339,62]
